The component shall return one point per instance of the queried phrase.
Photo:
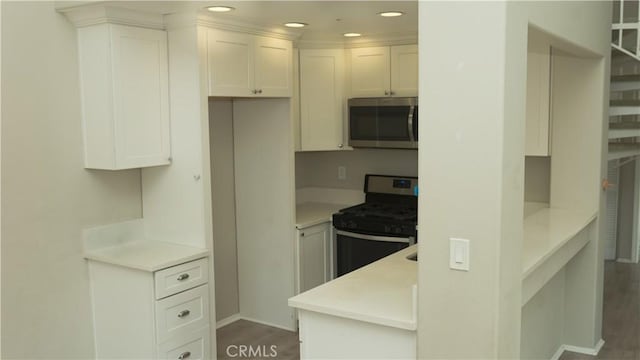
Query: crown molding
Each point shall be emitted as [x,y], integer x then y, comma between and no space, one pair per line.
[207,20]
[366,41]
[383,40]
[88,15]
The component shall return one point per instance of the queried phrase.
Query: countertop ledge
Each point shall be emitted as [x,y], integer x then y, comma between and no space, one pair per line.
[547,231]
[382,293]
[314,213]
[146,255]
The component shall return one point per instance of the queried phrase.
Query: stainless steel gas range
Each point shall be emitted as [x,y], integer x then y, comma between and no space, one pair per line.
[383,224]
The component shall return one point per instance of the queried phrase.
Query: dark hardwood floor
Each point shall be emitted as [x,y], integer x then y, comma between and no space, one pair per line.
[257,338]
[621,314]
[620,328]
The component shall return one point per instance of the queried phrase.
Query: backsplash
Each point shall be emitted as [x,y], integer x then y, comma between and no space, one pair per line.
[320,169]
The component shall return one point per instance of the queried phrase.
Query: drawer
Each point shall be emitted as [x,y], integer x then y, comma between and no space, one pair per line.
[191,346]
[182,313]
[181,277]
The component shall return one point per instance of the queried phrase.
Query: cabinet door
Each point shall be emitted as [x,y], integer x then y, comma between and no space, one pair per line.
[538,99]
[321,99]
[230,64]
[313,256]
[370,68]
[141,96]
[125,94]
[273,71]
[404,70]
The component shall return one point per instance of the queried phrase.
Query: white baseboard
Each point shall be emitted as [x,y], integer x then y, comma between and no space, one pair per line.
[625,261]
[228,320]
[558,353]
[267,323]
[577,349]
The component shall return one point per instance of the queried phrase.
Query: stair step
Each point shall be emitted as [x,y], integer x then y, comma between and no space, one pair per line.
[624,107]
[625,82]
[619,151]
[619,133]
[625,78]
[624,102]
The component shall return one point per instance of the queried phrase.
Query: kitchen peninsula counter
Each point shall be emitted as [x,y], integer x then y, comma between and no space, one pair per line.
[380,293]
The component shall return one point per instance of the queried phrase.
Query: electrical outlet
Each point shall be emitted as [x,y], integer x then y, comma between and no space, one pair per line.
[342,172]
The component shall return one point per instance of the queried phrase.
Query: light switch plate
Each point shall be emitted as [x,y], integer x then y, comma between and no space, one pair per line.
[459,254]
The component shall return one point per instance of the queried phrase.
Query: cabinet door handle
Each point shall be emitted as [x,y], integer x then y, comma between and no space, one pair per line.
[392,93]
[340,146]
[184,313]
[184,355]
[182,277]
[386,92]
[254,91]
[259,91]
[301,234]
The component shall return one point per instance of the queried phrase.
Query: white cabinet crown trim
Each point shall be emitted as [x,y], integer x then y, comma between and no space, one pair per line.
[82,16]
[246,28]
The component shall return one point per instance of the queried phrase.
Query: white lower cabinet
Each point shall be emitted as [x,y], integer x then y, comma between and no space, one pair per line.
[192,346]
[324,336]
[148,315]
[314,246]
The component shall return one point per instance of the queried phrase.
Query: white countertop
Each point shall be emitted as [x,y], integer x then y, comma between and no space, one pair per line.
[548,230]
[314,213]
[383,293]
[125,244]
[146,255]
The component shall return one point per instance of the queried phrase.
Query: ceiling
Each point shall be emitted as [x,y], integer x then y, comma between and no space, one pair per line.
[327,20]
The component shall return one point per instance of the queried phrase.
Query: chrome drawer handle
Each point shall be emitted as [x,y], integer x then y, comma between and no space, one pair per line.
[182,277]
[184,355]
[184,313]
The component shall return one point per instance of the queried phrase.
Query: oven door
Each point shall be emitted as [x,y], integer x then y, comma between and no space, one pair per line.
[355,250]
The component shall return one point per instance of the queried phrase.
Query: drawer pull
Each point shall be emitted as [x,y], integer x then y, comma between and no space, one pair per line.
[182,277]
[184,355]
[184,313]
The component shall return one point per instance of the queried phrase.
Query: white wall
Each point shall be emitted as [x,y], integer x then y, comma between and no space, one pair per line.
[48,197]
[320,169]
[626,202]
[537,178]
[473,79]
[224,207]
[265,215]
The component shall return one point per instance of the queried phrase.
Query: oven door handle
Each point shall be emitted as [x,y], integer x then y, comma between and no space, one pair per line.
[407,240]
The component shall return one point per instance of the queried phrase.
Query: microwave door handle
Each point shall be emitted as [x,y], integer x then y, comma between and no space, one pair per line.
[412,136]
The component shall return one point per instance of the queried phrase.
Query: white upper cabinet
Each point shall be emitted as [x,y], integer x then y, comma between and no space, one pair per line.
[404,70]
[125,96]
[246,65]
[370,72]
[384,71]
[321,99]
[538,98]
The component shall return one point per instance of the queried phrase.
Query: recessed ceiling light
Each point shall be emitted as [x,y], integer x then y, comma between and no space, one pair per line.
[352,35]
[220,8]
[295,24]
[391,13]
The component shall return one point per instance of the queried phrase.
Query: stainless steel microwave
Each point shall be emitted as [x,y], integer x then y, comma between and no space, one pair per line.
[384,122]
